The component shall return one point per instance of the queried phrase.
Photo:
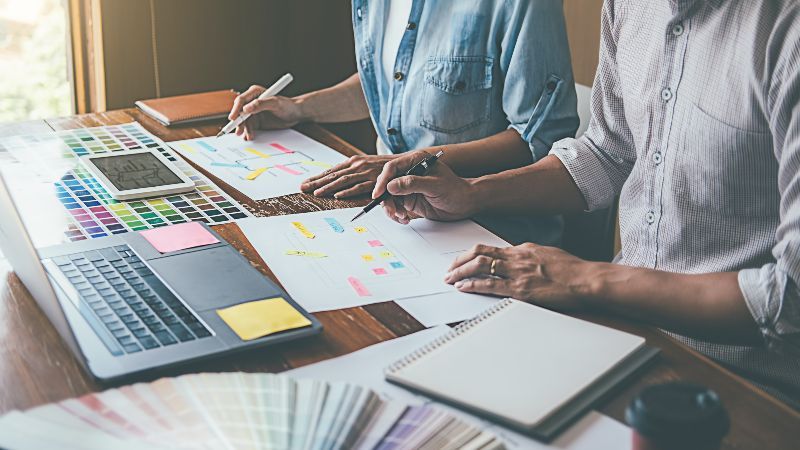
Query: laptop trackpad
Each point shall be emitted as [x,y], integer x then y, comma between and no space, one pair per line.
[213,278]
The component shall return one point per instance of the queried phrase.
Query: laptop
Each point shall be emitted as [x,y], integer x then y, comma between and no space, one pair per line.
[124,308]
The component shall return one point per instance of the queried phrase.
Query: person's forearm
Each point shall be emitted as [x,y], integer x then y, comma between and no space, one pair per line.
[502,151]
[544,187]
[703,306]
[343,102]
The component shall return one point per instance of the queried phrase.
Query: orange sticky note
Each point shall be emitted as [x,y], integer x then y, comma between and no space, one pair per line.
[179,237]
[260,318]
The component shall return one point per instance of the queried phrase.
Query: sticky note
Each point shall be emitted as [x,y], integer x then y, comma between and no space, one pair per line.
[261,318]
[375,243]
[179,237]
[367,257]
[303,230]
[281,148]
[386,254]
[396,265]
[255,174]
[288,170]
[256,152]
[379,271]
[359,287]
[305,253]
[360,229]
[334,224]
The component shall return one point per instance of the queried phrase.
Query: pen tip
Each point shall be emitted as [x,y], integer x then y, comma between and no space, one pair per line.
[357,216]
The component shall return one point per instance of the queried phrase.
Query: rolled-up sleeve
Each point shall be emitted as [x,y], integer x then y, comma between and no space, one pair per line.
[771,291]
[539,89]
[602,159]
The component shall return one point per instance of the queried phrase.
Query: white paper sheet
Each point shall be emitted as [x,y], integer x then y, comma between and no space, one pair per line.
[448,307]
[326,262]
[455,237]
[365,367]
[271,165]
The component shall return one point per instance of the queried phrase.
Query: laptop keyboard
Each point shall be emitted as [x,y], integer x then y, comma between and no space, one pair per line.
[129,300]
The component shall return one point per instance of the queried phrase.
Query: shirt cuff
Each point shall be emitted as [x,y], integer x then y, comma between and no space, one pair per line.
[757,286]
[587,171]
[538,147]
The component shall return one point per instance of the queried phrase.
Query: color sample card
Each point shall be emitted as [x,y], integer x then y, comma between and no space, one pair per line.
[51,159]
[179,237]
[373,260]
[240,410]
[273,164]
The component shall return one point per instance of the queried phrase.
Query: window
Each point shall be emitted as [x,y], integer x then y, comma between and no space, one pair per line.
[33,60]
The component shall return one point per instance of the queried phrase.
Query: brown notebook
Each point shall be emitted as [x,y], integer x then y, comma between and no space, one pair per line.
[190,108]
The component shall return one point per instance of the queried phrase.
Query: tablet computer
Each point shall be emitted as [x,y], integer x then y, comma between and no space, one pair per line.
[134,174]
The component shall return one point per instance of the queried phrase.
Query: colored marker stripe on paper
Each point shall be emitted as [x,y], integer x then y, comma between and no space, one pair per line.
[324,165]
[334,224]
[221,164]
[359,287]
[206,146]
[375,243]
[256,152]
[306,254]
[288,170]
[281,148]
[379,271]
[303,230]
[255,174]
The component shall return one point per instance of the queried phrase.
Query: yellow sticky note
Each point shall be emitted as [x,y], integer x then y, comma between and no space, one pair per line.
[256,152]
[318,164]
[255,174]
[367,257]
[303,230]
[261,318]
[387,254]
[360,229]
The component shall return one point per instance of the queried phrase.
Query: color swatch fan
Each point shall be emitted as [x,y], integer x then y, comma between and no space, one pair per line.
[239,411]
[49,162]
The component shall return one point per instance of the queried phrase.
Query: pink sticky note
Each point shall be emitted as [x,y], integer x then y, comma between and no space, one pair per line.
[379,271]
[179,237]
[375,243]
[359,287]
[281,148]
[288,169]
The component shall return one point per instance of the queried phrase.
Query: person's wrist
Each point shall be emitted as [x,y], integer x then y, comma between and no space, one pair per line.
[592,281]
[478,194]
[302,108]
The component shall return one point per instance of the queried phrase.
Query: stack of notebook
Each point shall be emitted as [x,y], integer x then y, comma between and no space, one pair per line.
[238,410]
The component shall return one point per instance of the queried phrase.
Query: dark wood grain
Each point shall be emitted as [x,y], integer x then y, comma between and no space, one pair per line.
[36,367]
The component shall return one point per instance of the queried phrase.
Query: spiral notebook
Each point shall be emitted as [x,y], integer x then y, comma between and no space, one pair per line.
[526,367]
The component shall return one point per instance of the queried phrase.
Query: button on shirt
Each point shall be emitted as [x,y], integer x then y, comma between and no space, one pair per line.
[696,126]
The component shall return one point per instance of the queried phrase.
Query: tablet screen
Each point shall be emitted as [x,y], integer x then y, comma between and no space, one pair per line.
[139,171]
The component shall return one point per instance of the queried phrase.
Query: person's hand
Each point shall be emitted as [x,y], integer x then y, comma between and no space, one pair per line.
[354,177]
[544,275]
[439,195]
[267,114]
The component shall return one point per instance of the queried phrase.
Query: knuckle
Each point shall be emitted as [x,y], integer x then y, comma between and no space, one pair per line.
[483,260]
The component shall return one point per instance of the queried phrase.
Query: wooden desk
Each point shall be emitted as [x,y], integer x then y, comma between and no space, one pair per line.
[36,367]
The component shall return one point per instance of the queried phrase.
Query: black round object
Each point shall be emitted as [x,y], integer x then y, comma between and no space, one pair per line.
[678,413]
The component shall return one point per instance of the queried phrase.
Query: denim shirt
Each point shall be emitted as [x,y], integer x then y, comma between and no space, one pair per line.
[469,69]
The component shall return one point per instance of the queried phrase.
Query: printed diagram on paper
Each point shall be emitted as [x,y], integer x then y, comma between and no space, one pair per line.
[273,164]
[326,262]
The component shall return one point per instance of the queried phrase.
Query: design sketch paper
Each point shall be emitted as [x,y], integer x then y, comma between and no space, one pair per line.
[271,165]
[326,262]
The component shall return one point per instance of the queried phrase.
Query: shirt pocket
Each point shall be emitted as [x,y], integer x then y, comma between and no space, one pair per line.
[456,94]
[729,170]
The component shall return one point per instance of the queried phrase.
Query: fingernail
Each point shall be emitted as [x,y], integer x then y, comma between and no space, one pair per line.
[459,284]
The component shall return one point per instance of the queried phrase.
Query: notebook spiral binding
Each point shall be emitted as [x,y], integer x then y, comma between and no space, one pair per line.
[455,332]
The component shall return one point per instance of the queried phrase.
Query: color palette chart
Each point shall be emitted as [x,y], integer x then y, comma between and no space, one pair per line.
[91,210]
[271,165]
[241,411]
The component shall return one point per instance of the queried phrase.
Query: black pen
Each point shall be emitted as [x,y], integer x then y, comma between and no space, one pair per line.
[419,169]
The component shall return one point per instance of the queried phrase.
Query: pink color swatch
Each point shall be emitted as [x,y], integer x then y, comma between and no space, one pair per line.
[179,237]
[359,287]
